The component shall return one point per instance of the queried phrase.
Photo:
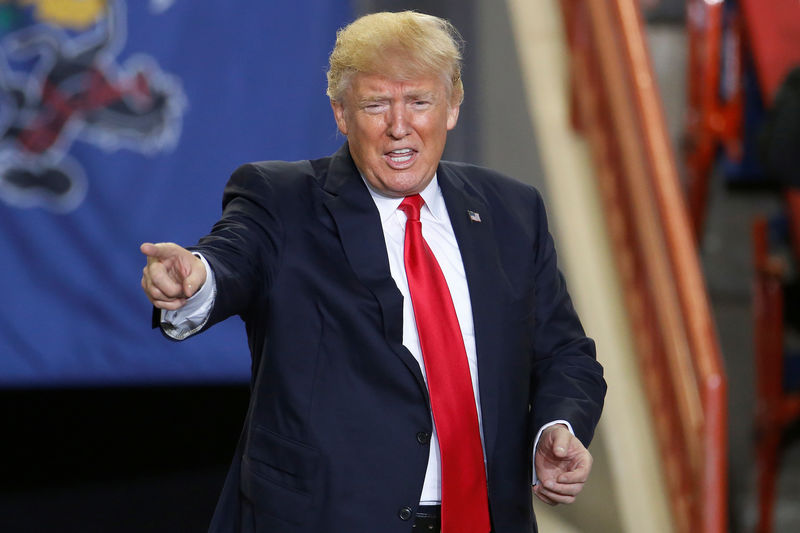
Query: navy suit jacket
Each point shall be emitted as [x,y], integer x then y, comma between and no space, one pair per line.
[338,429]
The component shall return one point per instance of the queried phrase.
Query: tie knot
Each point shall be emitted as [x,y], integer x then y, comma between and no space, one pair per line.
[411,206]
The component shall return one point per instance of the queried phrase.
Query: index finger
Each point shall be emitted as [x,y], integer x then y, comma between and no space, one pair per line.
[163,251]
[149,249]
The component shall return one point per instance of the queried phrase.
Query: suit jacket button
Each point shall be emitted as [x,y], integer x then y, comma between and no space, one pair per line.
[423,437]
[405,513]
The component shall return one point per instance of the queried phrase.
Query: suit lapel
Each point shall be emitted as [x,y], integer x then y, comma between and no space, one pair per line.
[360,230]
[473,228]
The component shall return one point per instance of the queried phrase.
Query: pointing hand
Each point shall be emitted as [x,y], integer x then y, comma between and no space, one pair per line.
[172,274]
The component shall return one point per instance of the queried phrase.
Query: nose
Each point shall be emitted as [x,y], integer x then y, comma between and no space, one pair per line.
[397,122]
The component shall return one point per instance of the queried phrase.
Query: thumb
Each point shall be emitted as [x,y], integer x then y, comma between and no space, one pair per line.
[194,277]
[561,442]
[189,288]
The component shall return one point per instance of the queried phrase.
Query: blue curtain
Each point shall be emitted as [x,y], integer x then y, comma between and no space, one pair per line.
[120,122]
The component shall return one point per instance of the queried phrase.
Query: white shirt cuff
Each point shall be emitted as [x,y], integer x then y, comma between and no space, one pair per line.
[189,319]
[536,443]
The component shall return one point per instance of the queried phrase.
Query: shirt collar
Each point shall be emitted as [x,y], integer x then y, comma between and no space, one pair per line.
[434,201]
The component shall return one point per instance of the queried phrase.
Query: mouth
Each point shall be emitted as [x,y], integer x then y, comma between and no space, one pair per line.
[400,158]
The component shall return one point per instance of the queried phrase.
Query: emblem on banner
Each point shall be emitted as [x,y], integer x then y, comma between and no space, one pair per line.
[60,81]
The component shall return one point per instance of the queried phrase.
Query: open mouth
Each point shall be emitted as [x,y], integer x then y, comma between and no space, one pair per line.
[401,157]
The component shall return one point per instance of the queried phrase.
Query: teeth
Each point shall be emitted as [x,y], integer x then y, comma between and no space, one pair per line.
[400,156]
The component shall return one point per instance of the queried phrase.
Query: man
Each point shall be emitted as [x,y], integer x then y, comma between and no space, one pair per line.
[410,333]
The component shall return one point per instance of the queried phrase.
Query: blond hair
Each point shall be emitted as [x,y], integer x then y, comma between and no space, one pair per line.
[401,46]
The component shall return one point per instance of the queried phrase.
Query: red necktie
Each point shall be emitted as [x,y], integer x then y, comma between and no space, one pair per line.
[465,505]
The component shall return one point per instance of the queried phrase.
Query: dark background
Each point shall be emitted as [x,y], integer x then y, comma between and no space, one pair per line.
[116,459]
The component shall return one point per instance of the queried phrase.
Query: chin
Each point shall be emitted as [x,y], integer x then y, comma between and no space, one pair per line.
[410,184]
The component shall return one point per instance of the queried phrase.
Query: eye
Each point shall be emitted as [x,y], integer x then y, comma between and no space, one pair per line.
[374,107]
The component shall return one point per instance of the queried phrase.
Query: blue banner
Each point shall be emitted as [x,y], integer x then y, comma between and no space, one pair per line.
[120,122]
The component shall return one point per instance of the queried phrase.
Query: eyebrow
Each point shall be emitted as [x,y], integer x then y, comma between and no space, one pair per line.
[422,95]
[373,99]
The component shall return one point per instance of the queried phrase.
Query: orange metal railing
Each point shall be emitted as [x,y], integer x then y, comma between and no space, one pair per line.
[776,408]
[617,106]
[722,35]
[715,103]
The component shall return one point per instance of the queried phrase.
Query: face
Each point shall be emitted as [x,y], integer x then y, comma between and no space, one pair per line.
[396,129]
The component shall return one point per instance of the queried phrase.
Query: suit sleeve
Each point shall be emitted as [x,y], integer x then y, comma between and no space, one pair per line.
[567,381]
[243,247]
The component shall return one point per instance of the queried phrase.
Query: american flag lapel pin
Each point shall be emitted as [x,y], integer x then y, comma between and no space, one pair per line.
[474,216]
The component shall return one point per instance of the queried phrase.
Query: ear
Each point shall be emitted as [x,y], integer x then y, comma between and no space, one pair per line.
[452,116]
[338,114]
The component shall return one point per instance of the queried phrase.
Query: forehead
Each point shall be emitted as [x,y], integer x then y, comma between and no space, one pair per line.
[367,85]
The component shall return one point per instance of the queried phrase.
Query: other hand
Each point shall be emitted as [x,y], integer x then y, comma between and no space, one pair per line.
[562,465]
[172,274]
